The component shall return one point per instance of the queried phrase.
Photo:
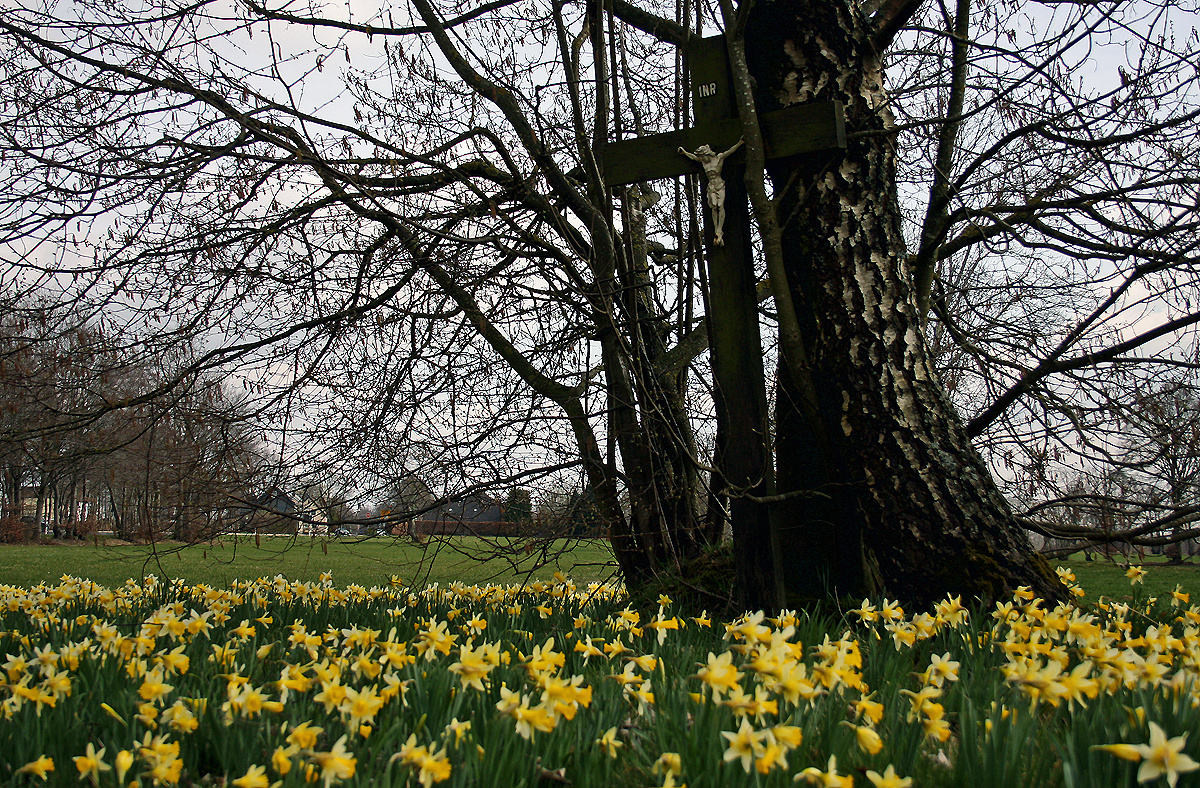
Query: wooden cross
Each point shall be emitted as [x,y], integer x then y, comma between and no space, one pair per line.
[743,455]
[806,128]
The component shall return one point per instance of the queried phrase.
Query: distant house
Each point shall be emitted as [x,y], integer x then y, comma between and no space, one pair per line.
[279,512]
[475,515]
[29,501]
[55,511]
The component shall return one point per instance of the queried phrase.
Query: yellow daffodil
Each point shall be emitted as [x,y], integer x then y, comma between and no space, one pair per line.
[608,742]
[647,662]
[531,719]
[281,759]
[304,736]
[39,767]
[920,700]
[866,612]
[153,687]
[459,729]
[872,710]
[789,736]
[826,779]
[410,752]
[360,706]
[1126,752]
[757,705]
[941,669]
[1163,756]
[951,611]
[774,756]
[588,648]
[615,647]
[433,768]
[255,777]
[745,745]
[668,763]
[643,695]
[123,763]
[719,674]
[91,763]
[337,764]
[888,779]
[868,739]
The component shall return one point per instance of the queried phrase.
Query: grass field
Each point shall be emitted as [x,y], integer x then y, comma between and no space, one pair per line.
[1104,577]
[469,560]
[366,562]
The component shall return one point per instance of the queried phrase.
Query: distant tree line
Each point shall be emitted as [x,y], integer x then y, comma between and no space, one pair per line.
[1146,496]
[78,450]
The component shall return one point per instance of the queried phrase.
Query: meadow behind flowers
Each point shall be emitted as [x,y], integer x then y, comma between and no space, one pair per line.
[281,682]
[361,560]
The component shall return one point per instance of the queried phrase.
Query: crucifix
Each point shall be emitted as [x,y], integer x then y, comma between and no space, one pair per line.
[712,162]
[713,148]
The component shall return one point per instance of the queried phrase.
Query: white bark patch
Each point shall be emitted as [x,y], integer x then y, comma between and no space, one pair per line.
[794,54]
[844,79]
[912,338]
[849,171]
[791,92]
[826,51]
[846,428]
[889,336]
[795,89]
[871,88]
[857,209]
[866,285]
[915,451]
[843,230]
[887,304]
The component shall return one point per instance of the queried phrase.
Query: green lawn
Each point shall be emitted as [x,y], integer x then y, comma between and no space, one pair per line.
[466,559]
[366,562]
[1105,577]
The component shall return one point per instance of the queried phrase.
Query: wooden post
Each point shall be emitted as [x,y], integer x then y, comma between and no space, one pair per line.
[735,345]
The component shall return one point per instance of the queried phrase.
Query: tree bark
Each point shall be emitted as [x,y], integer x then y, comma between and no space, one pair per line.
[912,510]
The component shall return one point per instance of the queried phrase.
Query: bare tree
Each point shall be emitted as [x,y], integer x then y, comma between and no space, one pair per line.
[1151,495]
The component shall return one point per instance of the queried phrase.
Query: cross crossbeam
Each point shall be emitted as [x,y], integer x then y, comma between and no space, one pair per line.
[806,128]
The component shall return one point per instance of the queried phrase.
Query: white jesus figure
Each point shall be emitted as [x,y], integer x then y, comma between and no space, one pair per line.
[712,163]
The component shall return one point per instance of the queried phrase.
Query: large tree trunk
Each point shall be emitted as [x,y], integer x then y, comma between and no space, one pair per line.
[912,510]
